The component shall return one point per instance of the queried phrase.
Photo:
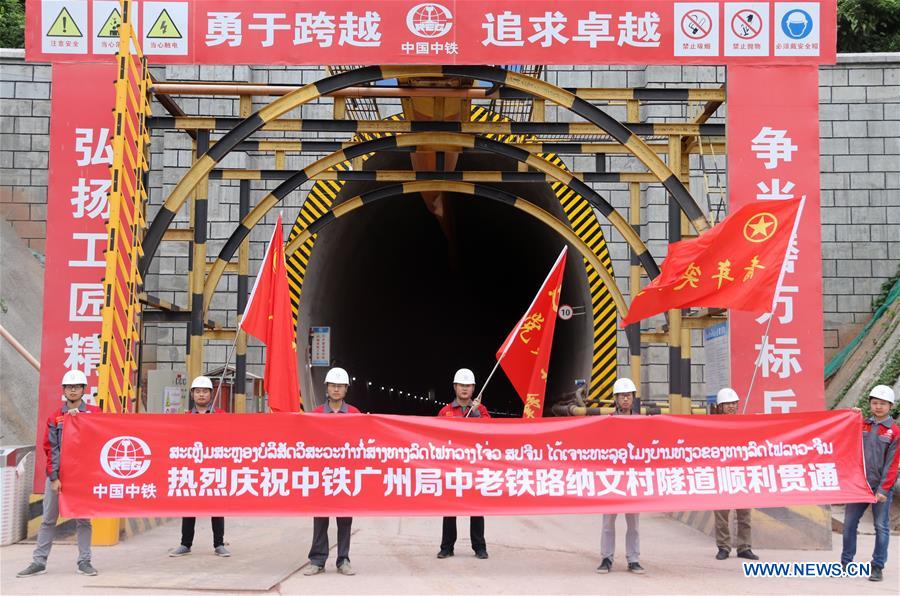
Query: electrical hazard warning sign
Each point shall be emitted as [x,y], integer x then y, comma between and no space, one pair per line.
[165,30]
[63,27]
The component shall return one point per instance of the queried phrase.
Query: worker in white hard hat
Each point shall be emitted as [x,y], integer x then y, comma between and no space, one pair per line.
[463,406]
[624,394]
[728,403]
[337,383]
[882,456]
[201,394]
[74,384]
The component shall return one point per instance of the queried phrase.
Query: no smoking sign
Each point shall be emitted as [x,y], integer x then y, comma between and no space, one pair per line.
[697,33]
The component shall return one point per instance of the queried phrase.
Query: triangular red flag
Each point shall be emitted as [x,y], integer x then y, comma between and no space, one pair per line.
[525,355]
[735,265]
[268,317]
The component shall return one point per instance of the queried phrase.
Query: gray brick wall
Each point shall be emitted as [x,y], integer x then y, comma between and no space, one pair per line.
[860,147]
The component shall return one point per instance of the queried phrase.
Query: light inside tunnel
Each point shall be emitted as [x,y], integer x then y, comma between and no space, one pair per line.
[411,298]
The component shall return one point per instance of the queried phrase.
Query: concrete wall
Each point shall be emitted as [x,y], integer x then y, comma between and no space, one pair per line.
[860,130]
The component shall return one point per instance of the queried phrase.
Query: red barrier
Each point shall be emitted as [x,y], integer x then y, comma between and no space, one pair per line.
[320,464]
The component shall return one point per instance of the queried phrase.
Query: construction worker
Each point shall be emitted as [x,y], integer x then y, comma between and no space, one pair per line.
[624,393]
[882,456]
[74,383]
[201,396]
[728,402]
[337,382]
[461,407]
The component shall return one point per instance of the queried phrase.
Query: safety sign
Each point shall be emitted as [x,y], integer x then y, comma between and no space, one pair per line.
[746,29]
[165,30]
[106,16]
[63,27]
[697,29]
[797,29]
[320,346]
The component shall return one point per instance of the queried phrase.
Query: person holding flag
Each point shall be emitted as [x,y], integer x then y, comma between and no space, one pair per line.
[464,407]
[624,393]
[268,318]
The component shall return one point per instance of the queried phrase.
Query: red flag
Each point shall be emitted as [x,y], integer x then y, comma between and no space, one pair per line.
[268,317]
[735,265]
[525,354]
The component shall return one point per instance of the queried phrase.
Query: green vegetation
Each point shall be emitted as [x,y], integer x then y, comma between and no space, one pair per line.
[868,26]
[887,377]
[12,23]
[885,290]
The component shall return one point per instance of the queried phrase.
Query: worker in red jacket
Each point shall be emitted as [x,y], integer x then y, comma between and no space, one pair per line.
[464,407]
[202,397]
[337,383]
[881,451]
[74,383]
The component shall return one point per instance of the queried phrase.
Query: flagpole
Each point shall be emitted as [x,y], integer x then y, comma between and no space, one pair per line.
[781,275]
[225,368]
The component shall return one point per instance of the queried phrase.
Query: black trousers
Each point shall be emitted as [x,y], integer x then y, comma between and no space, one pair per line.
[318,552]
[476,534]
[187,531]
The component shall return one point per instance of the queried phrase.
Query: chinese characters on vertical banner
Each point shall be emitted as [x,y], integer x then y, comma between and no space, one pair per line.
[77,210]
[773,155]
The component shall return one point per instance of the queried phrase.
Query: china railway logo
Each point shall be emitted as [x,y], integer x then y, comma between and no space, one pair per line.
[429,20]
[125,457]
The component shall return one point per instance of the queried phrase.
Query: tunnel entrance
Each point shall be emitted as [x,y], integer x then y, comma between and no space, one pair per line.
[411,297]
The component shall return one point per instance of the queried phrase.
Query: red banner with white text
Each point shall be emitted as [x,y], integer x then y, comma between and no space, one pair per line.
[358,464]
[445,32]
[773,155]
[77,209]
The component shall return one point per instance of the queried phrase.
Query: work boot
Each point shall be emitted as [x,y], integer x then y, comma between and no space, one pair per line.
[180,551]
[221,551]
[605,566]
[636,568]
[722,554]
[85,568]
[444,553]
[33,569]
[481,554]
[748,554]
[875,575]
[314,569]
[345,569]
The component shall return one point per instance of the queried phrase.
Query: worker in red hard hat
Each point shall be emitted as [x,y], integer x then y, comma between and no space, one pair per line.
[74,384]
[728,403]
[201,398]
[624,394]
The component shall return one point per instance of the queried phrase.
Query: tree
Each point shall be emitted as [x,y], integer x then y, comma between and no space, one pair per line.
[868,26]
[12,23]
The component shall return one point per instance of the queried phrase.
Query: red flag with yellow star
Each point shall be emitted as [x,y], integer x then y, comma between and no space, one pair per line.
[735,265]
[525,355]
[268,317]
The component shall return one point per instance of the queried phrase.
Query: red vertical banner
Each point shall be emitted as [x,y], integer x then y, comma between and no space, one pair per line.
[773,155]
[81,131]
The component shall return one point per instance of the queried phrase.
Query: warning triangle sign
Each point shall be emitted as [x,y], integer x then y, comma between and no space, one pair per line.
[111,27]
[164,27]
[64,26]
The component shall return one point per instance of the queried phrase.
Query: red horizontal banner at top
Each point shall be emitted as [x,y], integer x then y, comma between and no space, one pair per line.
[361,464]
[371,32]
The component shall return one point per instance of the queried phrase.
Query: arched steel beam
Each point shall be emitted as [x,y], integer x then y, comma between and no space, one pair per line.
[552,171]
[369,74]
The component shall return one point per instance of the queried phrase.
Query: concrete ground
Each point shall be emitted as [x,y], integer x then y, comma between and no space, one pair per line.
[541,555]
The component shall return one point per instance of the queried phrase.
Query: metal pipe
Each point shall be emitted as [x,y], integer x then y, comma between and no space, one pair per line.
[20,349]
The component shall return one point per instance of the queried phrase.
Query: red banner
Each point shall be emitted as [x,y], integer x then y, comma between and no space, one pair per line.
[445,32]
[357,464]
[773,155]
[77,209]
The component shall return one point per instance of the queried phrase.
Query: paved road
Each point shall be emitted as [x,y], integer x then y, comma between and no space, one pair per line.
[542,555]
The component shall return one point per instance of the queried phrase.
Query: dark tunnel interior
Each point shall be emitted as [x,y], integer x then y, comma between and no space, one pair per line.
[409,301]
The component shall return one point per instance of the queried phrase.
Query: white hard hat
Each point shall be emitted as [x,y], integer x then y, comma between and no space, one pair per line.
[726,395]
[882,392]
[464,376]
[202,383]
[74,377]
[624,385]
[337,376]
